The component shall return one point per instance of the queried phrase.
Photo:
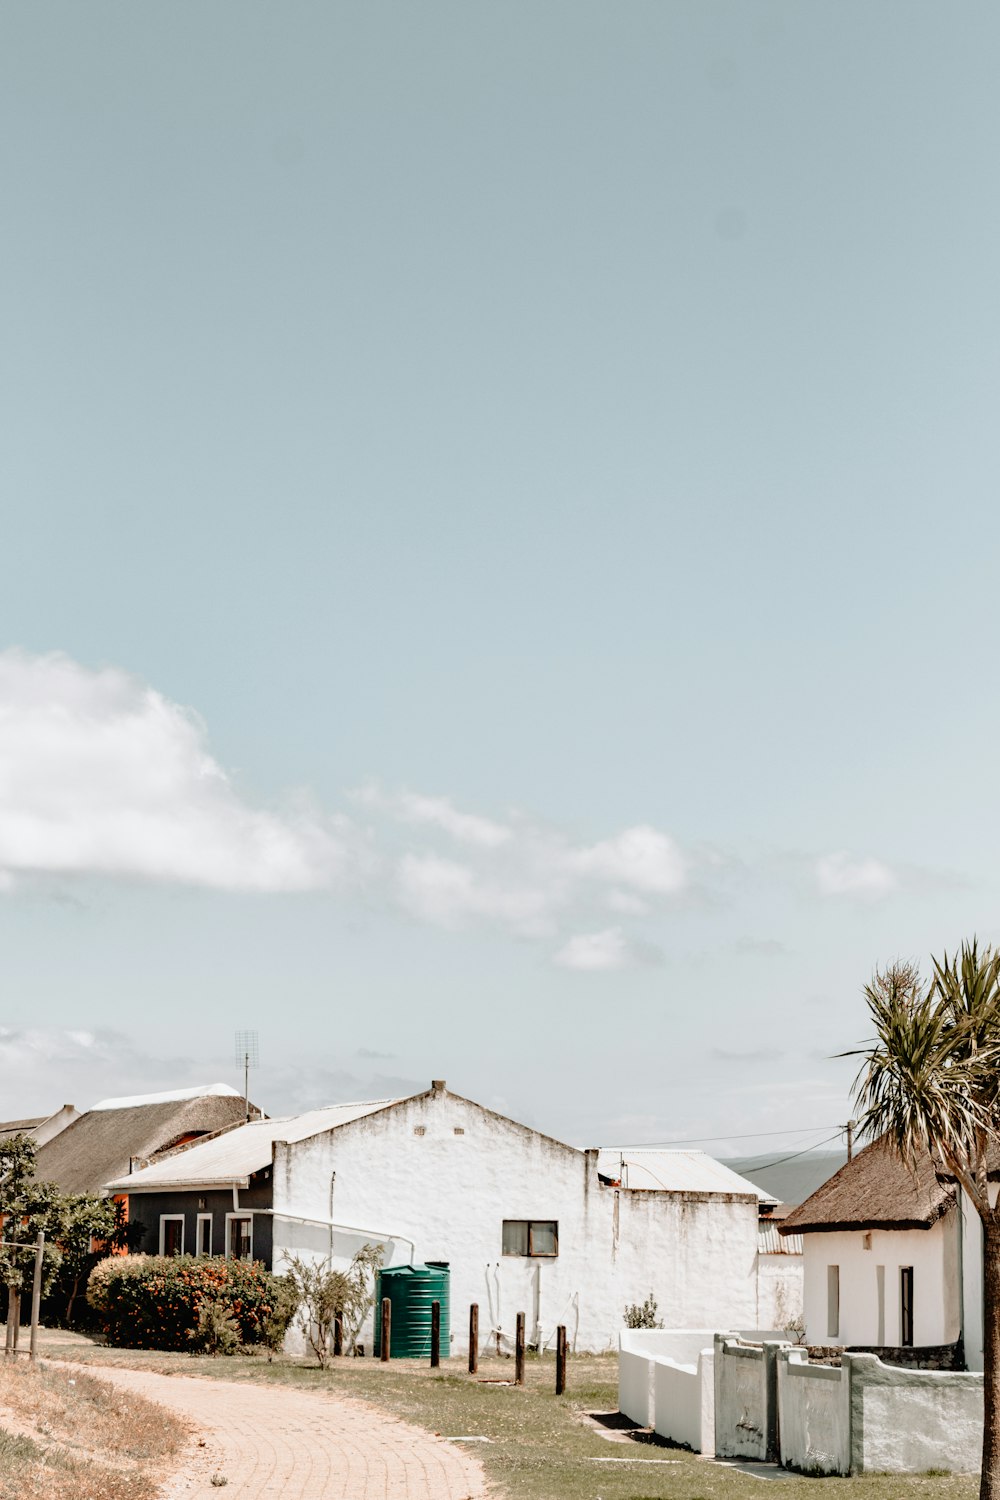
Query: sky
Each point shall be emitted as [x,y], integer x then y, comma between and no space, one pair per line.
[498,541]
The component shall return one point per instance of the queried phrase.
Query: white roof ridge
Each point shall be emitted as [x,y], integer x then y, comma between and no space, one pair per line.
[168,1096]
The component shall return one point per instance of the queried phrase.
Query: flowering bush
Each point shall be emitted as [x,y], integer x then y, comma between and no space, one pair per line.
[156,1301]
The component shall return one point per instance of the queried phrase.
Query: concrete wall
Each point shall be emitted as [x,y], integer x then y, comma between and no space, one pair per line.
[933,1254]
[779,1290]
[906,1421]
[434,1179]
[639,1352]
[745,1399]
[684,1401]
[814,1415]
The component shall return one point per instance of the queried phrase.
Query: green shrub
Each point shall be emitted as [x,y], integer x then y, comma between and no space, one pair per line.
[155,1302]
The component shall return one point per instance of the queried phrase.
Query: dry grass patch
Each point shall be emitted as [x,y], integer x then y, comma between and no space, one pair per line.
[64,1435]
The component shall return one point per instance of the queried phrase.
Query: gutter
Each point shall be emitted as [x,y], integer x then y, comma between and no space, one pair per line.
[376,1234]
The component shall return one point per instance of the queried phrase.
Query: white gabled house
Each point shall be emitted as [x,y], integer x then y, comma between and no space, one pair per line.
[525,1223]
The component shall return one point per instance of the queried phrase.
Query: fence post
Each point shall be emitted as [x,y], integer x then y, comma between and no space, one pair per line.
[473,1338]
[8,1347]
[435,1335]
[36,1293]
[338,1333]
[386,1330]
[560,1359]
[519,1350]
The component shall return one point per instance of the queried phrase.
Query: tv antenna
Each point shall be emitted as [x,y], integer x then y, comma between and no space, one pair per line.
[247,1057]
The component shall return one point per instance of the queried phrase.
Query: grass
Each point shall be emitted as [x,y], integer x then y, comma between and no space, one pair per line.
[78,1437]
[542,1447]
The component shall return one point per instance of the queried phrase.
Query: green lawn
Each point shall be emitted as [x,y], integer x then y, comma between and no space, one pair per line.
[541,1445]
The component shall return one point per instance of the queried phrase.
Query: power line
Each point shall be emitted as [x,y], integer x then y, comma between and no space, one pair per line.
[782,1159]
[697,1140]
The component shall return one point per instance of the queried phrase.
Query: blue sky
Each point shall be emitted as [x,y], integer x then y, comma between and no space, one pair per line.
[510,491]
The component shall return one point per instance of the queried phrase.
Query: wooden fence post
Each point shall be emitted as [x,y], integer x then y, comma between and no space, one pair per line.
[560,1359]
[36,1293]
[473,1338]
[519,1350]
[8,1348]
[386,1330]
[435,1335]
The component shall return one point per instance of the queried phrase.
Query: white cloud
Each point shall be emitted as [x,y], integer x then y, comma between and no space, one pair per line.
[838,875]
[595,950]
[448,894]
[439,812]
[100,774]
[640,857]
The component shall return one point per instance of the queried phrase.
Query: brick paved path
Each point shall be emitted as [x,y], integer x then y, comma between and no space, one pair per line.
[284,1444]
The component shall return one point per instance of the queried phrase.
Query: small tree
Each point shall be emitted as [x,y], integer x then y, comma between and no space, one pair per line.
[323,1294]
[26,1206]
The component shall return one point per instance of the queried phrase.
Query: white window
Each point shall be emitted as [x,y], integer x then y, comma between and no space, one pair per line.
[203,1235]
[239,1236]
[171,1234]
[530,1237]
[833,1302]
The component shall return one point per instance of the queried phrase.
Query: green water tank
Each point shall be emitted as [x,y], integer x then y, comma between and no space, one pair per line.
[411,1290]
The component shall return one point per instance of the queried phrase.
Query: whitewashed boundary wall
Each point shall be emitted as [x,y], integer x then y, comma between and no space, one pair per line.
[746,1398]
[906,1421]
[684,1401]
[814,1414]
[638,1351]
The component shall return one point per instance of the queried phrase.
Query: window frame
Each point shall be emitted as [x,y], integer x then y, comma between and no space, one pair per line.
[906,1310]
[231,1218]
[199,1221]
[833,1302]
[531,1253]
[166,1219]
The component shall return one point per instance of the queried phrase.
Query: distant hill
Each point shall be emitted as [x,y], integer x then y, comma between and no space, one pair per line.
[790,1181]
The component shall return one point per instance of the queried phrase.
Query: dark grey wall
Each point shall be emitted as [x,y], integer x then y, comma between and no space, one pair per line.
[146,1208]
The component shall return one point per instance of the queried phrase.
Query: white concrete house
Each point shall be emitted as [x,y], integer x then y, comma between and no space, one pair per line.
[525,1222]
[892,1258]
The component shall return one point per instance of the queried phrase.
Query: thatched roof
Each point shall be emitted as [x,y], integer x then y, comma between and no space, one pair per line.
[20,1127]
[875,1191]
[101,1144]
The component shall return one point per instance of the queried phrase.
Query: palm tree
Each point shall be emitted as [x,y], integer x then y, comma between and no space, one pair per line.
[931,1082]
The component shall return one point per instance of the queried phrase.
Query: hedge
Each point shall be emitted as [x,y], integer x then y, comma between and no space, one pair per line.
[153,1301]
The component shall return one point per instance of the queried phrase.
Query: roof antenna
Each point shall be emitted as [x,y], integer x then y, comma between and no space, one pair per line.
[247,1057]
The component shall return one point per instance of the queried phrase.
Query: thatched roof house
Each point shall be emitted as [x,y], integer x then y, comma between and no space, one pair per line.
[104,1143]
[40,1128]
[876,1190]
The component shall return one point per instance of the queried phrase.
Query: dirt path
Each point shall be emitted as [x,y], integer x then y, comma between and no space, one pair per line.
[284,1444]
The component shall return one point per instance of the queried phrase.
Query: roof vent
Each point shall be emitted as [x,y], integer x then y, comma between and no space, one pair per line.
[437,1084]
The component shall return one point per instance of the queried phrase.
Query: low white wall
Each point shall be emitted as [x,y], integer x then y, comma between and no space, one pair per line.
[814,1405]
[638,1351]
[740,1400]
[906,1421]
[684,1401]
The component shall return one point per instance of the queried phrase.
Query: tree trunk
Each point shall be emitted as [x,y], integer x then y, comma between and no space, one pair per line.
[989,1484]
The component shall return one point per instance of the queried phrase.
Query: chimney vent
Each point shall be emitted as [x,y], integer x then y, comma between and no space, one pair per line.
[437,1084]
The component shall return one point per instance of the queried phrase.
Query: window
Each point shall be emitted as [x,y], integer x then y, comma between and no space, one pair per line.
[906,1306]
[171,1234]
[833,1302]
[203,1235]
[530,1237]
[880,1292]
[239,1236]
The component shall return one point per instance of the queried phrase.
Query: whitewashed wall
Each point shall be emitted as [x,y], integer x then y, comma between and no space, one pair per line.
[742,1413]
[779,1290]
[814,1414]
[906,1421]
[437,1175]
[933,1254]
[639,1350]
[684,1401]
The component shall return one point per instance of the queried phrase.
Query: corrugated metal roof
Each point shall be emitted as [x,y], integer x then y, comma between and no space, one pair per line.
[770,1242]
[234,1155]
[662,1170]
